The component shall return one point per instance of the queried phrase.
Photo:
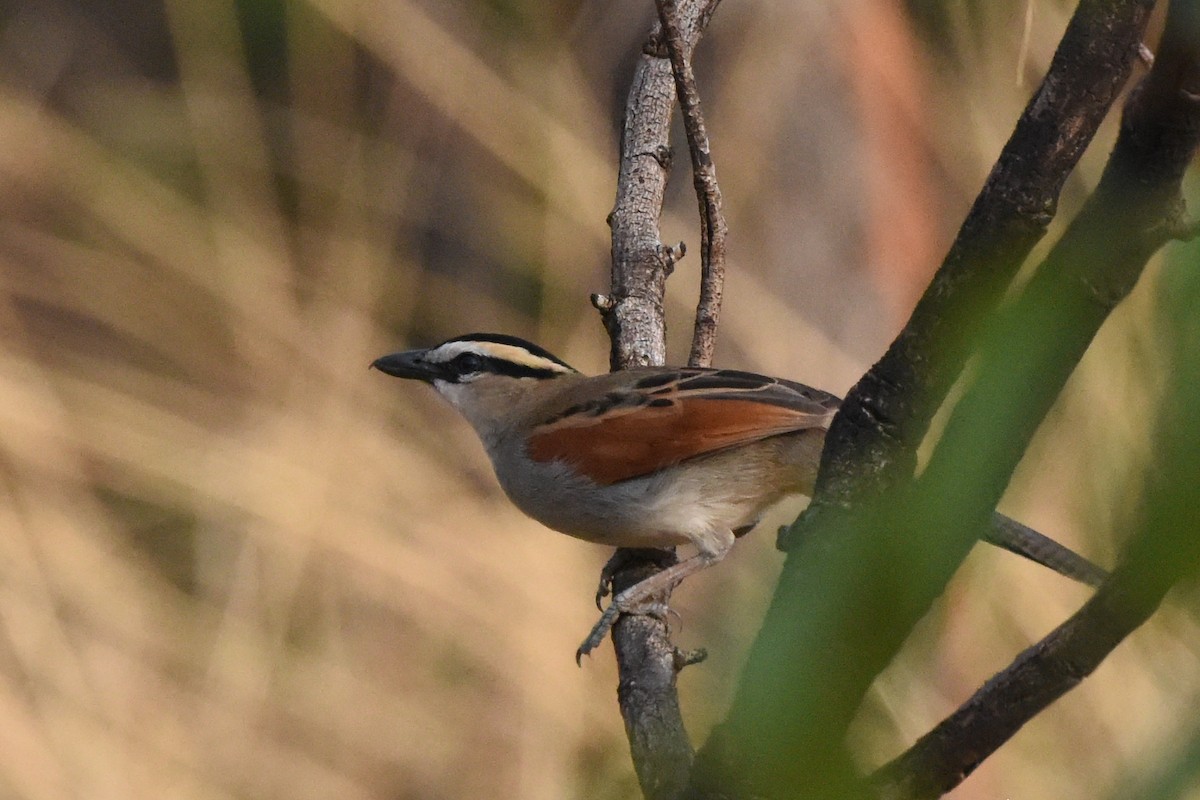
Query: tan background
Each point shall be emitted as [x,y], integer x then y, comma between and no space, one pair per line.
[236,564]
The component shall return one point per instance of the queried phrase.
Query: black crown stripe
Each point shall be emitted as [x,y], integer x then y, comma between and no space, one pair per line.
[512,341]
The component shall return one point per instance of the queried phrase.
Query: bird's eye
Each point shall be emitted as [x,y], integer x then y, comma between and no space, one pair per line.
[467,363]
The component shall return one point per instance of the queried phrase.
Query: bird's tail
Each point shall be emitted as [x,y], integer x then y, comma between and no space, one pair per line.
[1025,541]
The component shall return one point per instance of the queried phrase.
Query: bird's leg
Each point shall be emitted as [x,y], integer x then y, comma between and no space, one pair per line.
[620,558]
[711,551]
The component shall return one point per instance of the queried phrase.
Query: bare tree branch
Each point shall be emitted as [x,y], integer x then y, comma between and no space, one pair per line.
[633,311]
[713,228]
[633,315]
[944,757]
[648,665]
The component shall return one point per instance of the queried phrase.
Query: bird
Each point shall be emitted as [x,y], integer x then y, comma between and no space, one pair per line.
[649,457]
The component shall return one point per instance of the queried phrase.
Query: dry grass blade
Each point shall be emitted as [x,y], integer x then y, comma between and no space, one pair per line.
[236,564]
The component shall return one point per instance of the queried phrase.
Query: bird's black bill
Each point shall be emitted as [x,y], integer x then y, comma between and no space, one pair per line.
[409,364]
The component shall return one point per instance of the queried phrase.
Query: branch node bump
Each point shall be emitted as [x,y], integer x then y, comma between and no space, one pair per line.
[655,46]
[665,156]
[668,255]
[1182,229]
[686,658]
[1145,55]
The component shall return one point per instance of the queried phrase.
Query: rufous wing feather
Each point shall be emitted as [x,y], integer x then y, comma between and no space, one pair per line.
[631,440]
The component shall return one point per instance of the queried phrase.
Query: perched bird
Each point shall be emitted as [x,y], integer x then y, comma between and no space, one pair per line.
[649,457]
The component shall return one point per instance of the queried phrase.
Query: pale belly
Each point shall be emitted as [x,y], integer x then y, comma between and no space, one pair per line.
[678,506]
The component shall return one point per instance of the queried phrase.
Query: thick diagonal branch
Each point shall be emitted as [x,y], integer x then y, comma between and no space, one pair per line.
[873,441]
[1135,209]
[876,550]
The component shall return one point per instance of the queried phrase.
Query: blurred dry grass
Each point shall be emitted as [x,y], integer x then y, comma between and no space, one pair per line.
[235,564]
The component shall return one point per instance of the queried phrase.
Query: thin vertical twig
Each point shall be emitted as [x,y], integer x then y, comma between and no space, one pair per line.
[713,228]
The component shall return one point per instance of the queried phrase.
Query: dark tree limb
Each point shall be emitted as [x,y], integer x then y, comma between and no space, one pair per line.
[633,315]
[881,547]
[713,228]
[873,442]
[941,759]
[1136,208]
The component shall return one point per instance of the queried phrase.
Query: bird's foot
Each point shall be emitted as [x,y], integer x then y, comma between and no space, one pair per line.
[622,604]
[624,557]
[599,631]
[648,595]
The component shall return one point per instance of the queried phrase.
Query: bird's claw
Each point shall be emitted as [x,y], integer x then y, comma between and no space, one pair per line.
[603,590]
[615,609]
[619,559]
[599,631]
